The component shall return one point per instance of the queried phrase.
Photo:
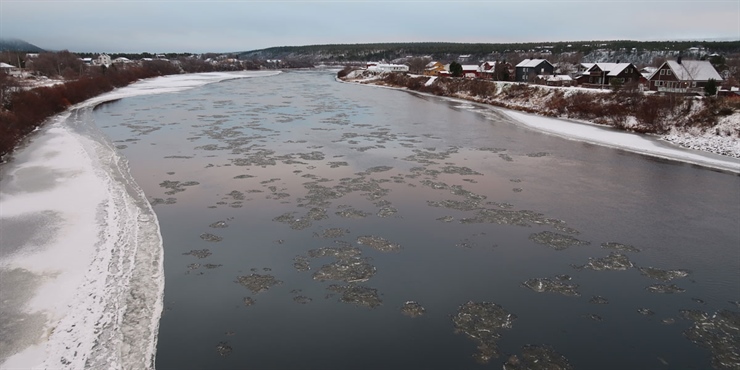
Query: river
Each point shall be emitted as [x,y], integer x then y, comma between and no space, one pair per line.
[314,224]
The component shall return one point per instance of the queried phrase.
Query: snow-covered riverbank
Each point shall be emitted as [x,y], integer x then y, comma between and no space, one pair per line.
[81,253]
[694,146]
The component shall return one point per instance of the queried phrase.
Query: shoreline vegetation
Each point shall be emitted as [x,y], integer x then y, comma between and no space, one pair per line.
[25,110]
[59,80]
[710,124]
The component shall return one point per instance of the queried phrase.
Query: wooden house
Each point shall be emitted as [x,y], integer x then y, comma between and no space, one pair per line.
[687,76]
[528,69]
[433,68]
[605,73]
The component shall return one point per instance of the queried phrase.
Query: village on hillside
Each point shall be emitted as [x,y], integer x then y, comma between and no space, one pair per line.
[679,75]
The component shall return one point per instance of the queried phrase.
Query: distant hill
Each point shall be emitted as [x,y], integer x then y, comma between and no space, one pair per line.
[483,51]
[18,45]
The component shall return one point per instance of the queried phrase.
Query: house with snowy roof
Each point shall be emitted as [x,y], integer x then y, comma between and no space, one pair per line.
[382,67]
[489,70]
[470,70]
[683,76]
[103,60]
[433,68]
[605,73]
[528,69]
[554,80]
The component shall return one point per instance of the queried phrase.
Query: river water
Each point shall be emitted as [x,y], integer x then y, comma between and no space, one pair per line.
[299,216]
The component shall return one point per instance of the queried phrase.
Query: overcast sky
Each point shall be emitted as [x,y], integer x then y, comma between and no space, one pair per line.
[226,26]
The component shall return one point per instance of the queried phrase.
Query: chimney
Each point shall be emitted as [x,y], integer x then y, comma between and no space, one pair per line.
[678,59]
[617,61]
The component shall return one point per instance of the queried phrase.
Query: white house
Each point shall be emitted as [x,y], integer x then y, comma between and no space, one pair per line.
[103,60]
[380,67]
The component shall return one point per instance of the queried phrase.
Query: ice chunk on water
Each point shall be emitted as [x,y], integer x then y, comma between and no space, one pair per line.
[541,285]
[537,358]
[483,322]
[412,309]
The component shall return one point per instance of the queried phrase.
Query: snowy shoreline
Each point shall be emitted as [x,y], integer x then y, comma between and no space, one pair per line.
[664,147]
[78,226]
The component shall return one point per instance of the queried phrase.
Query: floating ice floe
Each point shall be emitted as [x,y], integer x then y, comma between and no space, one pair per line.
[258,283]
[483,322]
[357,294]
[543,285]
[663,275]
[719,332]
[537,358]
[412,309]
[556,241]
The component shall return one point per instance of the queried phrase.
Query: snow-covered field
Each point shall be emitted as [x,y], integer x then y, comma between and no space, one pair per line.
[76,224]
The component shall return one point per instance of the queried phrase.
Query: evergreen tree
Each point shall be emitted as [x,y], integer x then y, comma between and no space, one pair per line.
[710,89]
[456,69]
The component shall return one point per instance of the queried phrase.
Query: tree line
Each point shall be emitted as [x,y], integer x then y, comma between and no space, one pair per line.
[440,50]
[23,108]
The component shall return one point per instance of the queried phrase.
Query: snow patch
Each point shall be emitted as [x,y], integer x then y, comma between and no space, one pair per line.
[102,268]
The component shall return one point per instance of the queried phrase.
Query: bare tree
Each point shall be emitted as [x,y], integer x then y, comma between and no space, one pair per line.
[61,63]
[417,65]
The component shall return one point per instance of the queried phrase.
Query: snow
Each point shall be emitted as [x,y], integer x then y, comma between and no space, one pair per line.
[531,62]
[701,148]
[694,70]
[97,255]
[623,140]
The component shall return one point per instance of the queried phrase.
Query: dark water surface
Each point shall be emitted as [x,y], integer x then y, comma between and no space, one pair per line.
[465,200]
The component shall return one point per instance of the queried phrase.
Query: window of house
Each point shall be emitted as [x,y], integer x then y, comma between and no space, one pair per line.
[693,84]
[662,72]
[668,72]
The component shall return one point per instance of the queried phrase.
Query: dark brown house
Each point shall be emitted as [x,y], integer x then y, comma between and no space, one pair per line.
[605,73]
[688,76]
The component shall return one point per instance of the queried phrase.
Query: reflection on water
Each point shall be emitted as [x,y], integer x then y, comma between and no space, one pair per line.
[429,218]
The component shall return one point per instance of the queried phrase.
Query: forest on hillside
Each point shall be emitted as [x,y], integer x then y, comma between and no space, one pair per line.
[482,51]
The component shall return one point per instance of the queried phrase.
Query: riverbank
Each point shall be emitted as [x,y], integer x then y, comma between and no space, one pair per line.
[81,255]
[716,145]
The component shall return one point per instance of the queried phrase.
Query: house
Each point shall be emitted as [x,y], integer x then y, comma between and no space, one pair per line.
[554,80]
[500,71]
[10,69]
[683,76]
[470,70]
[103,60]
[121,60]
[433,68]
[380,67]
[606,73]
[529,68]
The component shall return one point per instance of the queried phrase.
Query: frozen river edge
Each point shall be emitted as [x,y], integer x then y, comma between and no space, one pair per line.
[82,255]
[596,134]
